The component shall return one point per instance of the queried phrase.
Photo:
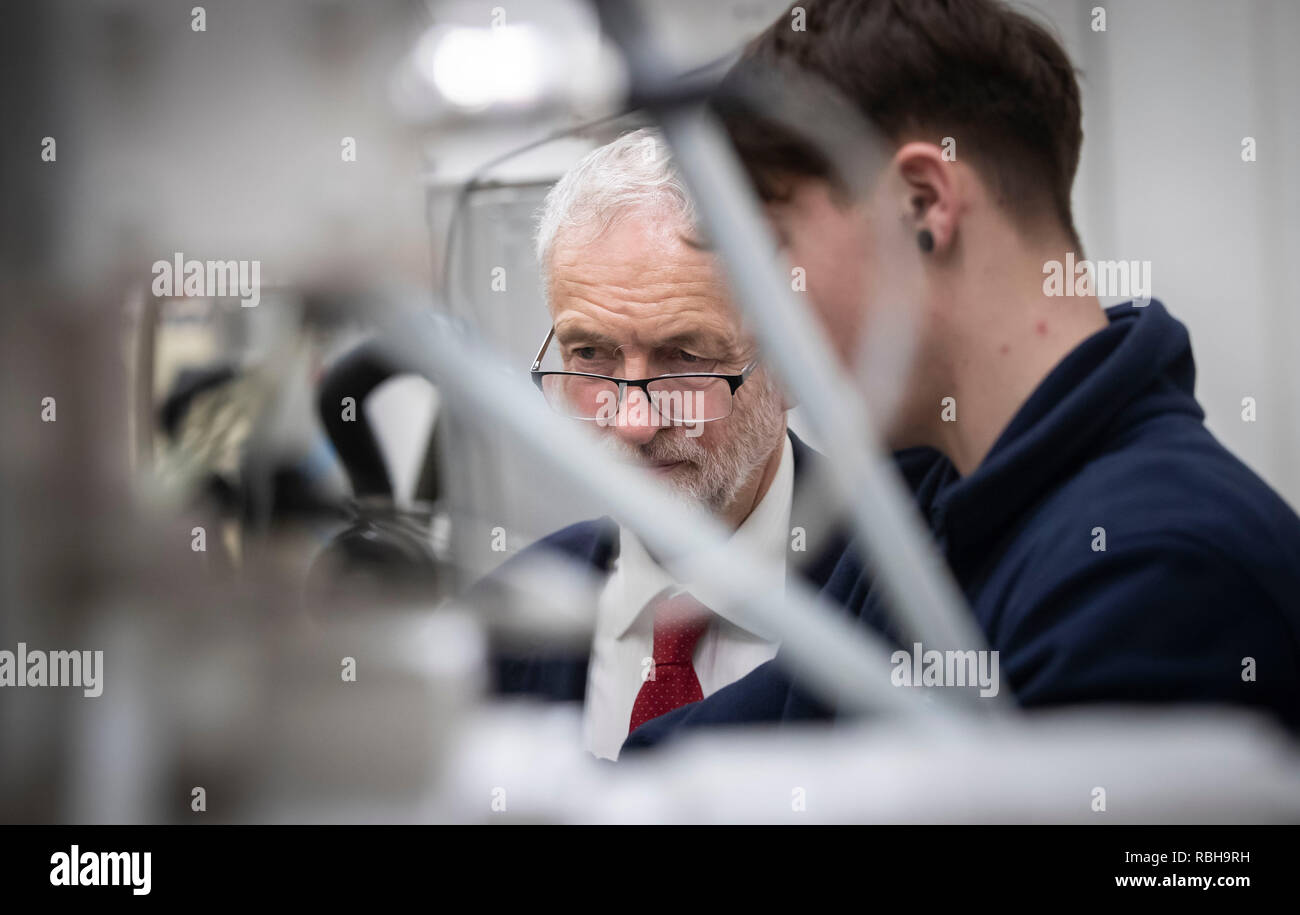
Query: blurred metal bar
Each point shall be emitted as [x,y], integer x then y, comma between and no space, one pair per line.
[842,662]
[919,590]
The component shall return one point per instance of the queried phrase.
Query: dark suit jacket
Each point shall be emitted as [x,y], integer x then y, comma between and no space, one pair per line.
[826,563]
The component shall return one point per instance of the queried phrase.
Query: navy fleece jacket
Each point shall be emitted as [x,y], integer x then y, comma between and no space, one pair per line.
[1195,596]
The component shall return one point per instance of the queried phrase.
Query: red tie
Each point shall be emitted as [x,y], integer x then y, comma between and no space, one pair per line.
[678,624]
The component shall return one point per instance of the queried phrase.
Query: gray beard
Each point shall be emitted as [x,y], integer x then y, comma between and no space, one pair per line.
[713,478]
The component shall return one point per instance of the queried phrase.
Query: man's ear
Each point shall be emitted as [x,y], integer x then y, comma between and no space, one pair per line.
[932,191]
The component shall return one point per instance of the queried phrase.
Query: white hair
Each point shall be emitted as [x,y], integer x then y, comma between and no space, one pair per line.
[635,171]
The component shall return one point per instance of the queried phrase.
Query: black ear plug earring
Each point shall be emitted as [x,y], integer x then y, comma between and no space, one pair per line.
[926,240]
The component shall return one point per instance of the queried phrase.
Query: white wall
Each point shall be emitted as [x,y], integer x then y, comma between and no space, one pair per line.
[1170,89]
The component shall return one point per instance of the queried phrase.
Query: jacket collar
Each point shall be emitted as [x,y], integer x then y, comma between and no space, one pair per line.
[1140,364]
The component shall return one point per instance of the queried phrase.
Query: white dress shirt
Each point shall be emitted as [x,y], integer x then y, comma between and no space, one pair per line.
[623,640]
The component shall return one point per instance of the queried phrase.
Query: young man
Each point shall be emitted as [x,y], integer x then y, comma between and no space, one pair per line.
[1111,549]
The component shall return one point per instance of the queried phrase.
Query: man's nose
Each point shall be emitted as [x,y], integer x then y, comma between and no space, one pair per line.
[636,421]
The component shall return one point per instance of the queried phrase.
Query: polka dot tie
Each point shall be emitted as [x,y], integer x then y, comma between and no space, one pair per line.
[678,624]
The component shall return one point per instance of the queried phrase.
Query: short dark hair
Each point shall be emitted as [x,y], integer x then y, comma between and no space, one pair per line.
[975,70]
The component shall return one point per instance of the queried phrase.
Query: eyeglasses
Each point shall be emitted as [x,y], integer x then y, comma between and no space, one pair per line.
[673,400]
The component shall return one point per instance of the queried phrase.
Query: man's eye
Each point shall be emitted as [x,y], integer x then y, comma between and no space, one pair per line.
[688,358]
[585,352]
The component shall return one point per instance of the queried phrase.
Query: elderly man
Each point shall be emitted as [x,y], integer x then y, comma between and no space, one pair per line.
[634,298]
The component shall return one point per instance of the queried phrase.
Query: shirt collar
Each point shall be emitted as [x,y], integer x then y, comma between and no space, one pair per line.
[765,532]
